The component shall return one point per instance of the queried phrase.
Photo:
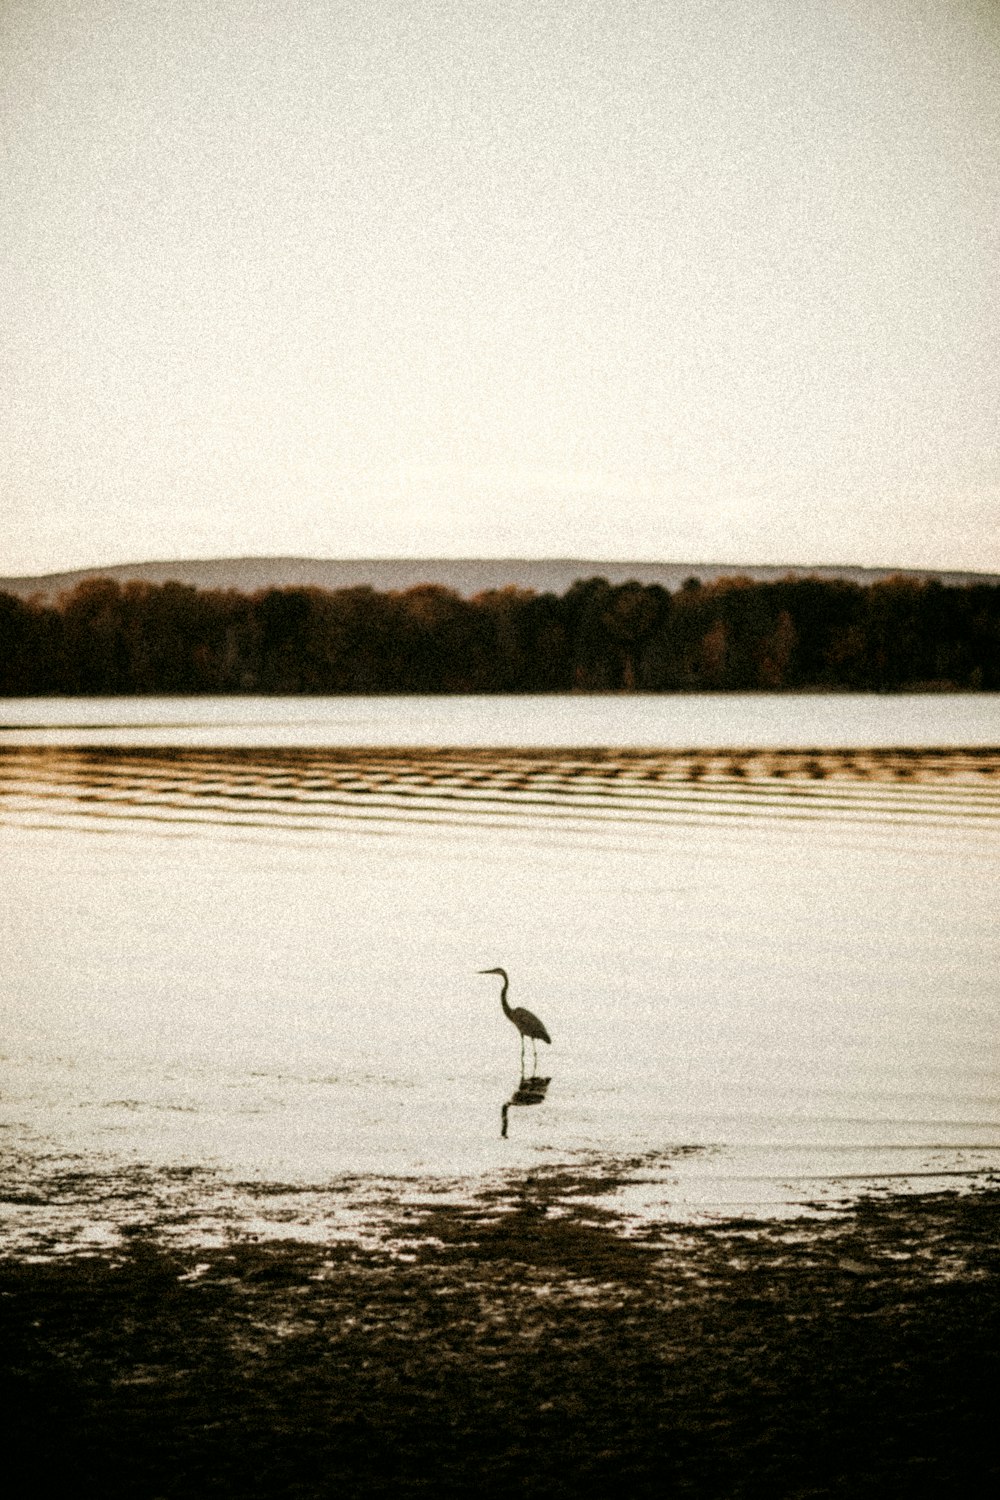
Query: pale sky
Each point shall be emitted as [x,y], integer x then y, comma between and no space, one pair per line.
[705,280]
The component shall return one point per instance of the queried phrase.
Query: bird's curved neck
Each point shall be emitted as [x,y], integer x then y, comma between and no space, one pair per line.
[503,996]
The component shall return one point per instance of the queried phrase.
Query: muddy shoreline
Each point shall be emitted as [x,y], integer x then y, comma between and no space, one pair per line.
[535,1353]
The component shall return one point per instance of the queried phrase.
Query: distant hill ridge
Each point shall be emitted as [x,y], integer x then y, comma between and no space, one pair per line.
[465,576]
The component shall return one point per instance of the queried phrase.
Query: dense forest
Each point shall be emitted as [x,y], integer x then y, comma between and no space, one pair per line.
[733,634]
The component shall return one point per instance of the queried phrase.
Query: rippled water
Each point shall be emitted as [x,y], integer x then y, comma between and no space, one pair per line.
[242,988]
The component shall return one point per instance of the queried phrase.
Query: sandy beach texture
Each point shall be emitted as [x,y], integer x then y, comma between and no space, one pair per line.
[532,1352]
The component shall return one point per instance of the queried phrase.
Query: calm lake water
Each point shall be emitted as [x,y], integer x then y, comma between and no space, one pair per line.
[242,935]
[675,720]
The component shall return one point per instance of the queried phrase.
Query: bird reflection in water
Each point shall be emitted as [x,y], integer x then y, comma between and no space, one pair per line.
[528,1091]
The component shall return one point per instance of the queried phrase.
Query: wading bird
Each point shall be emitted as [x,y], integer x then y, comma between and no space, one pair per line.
[526,1023]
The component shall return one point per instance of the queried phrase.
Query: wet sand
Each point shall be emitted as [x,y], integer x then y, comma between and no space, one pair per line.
[530,1350]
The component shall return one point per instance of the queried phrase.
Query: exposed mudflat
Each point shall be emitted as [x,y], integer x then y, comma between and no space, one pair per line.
[530,1350]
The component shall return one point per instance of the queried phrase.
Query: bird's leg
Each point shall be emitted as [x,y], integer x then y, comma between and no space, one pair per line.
[522,1054]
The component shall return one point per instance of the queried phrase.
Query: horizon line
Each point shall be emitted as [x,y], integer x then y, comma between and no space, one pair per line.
[466,557]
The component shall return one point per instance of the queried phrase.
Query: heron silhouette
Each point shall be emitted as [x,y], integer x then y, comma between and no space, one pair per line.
[527,1024]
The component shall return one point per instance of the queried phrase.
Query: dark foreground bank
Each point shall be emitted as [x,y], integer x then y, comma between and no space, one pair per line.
[535,1354]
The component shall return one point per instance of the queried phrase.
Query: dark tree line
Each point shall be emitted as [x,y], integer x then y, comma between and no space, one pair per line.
[734,634]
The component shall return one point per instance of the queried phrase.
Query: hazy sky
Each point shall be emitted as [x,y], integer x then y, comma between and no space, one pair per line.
[676,279]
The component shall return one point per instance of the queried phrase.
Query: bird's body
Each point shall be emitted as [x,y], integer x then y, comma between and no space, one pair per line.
[526,1021]
[527,1024]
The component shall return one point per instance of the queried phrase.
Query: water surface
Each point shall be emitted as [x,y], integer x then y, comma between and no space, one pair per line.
[663,720]
[242,988]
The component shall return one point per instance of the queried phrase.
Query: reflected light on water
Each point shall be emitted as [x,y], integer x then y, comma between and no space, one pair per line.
[314,790]
[252,1005]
